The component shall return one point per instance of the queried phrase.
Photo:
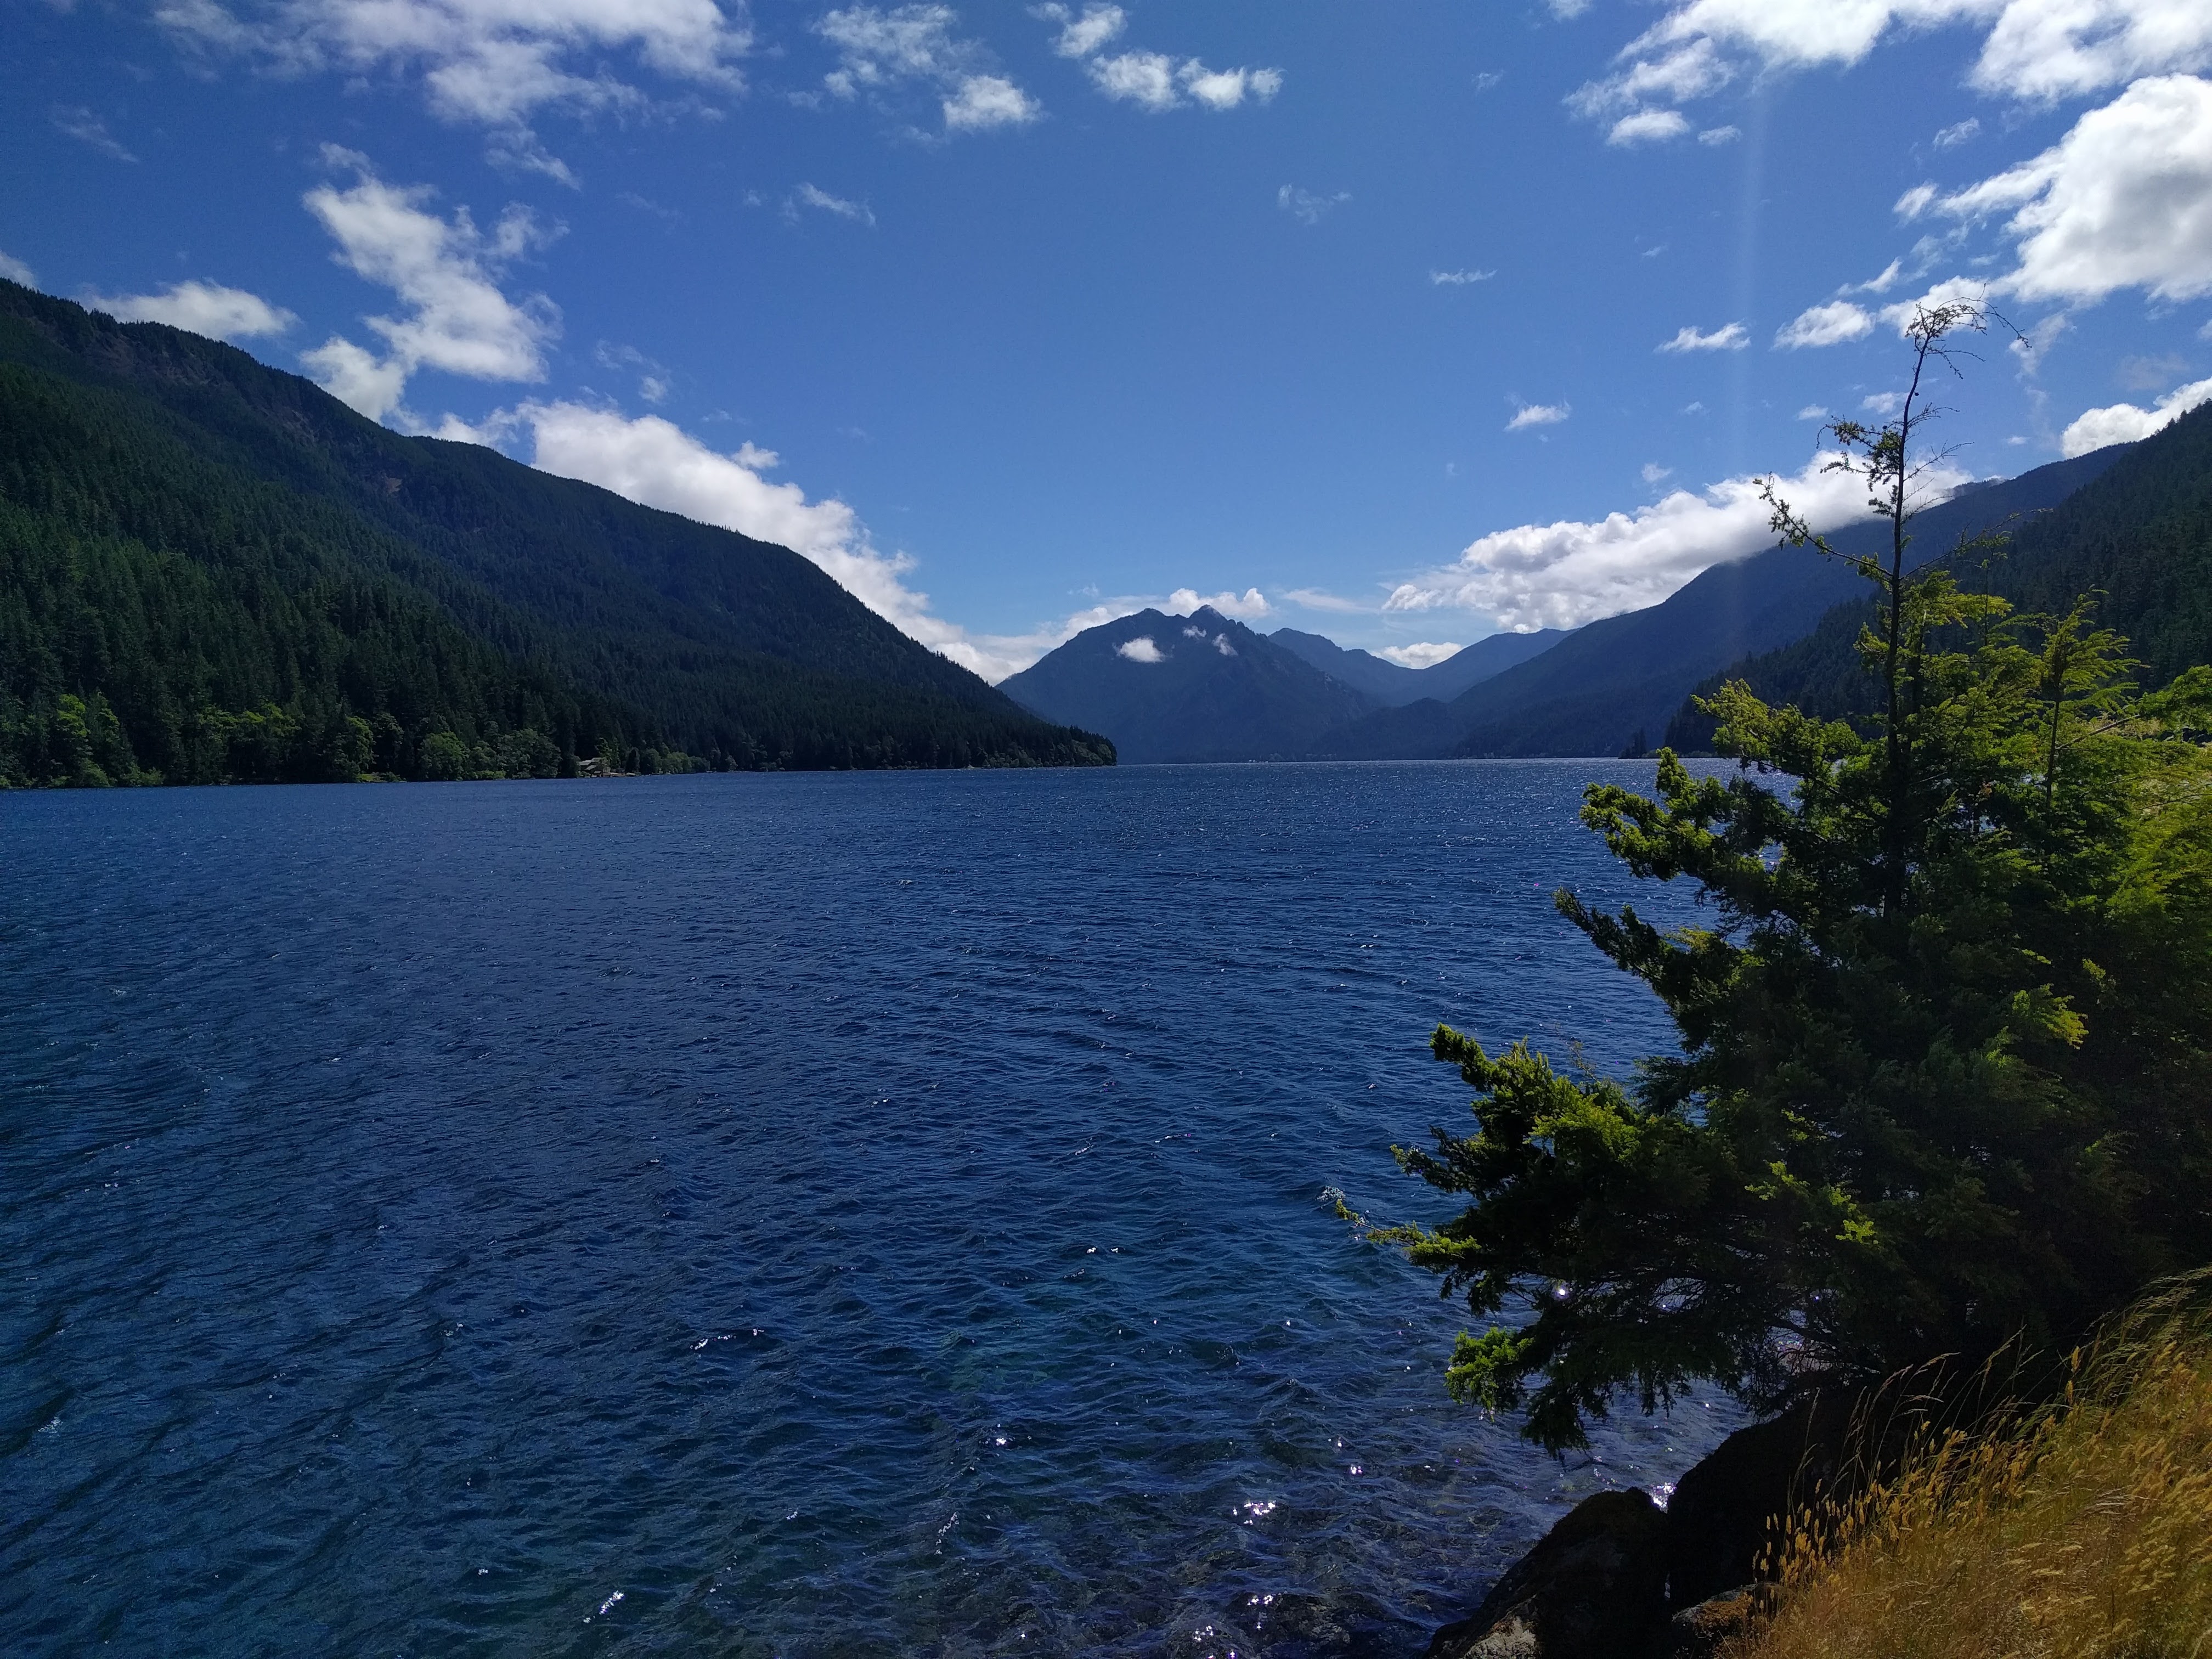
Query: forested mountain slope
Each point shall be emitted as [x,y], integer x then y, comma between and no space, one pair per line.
[2139,535]
[210,569]
[1597,690]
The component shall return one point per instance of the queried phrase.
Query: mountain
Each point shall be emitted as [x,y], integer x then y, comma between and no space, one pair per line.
[1195,688]
[212,569]
[1394,687]
[2139,534]
[1596,690]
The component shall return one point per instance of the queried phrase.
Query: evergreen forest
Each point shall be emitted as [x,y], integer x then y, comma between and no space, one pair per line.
[213,572]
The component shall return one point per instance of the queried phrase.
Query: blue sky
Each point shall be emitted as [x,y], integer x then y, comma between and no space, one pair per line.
[1401,323]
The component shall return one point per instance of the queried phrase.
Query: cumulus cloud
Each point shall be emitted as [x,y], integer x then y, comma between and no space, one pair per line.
[1537,415]
[1155,82]
[1647,126]
[444,271]
[492,62]
[1954,136]
[1459,278]
[1306,206]
[1143,649]
[209,308]
[1422,653]
[1653,472]
[1824,326]
[981,101]
[1735,336]
[2036,51]
[1714,136]
[1814,412]
[1151,79]
[2124,200]
[879,51]
[1248,606]
[2122,423]
[17,271]
[1081,36]
[1564,575]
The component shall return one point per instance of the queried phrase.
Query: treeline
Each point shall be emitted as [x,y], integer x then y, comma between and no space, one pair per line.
[2136,542]
[212,572]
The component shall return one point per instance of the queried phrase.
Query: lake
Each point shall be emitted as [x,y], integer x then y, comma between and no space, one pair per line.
[773,1215]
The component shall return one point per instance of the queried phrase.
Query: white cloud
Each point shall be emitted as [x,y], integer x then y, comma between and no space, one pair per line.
[1882,283]
[1814,412]
[880,49]
[2035,49]
[1648,126]
[1882,405]
[1248,606]
[858,212]
[1422,653]
[491,62]
[2043,50]
[1714,136]
[1564,575]
[1303,204]
[1316,599]
[1081,36]
[17,271]
[1142,77]
[1824,325]
[444,271]
[1539,415]
[2122,423]
[87,128]
[2124,200]
[1140,649]
[1156,81]
[1963,132]
[1735,336]
[219,313]
[1221,644]
[1459,278]
[1653,472]
[981,101]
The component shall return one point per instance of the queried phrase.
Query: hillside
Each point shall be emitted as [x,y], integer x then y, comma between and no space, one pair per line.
[1393,686]
[1195,688]
[211,569]
[2140,534]
[1596,690]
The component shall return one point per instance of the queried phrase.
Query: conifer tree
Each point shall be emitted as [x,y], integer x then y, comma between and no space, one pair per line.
[1945,1076]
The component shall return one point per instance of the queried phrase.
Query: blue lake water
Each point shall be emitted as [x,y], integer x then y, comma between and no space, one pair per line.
[766,1215]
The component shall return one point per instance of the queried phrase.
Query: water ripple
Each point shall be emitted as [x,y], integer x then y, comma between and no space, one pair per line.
[764,1216]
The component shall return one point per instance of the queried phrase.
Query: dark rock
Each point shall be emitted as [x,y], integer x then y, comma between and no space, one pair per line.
[1594,1586]
[1721,1518]
[1697,1632]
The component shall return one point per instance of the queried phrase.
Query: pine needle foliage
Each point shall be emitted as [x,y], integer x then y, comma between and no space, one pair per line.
[1945,1075]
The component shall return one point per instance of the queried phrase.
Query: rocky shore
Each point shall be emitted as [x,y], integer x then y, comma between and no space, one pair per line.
[1620,1577]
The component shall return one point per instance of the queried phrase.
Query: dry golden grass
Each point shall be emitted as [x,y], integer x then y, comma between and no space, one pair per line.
[2083,1531]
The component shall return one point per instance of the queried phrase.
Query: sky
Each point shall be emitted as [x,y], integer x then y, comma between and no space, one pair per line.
[1403,323]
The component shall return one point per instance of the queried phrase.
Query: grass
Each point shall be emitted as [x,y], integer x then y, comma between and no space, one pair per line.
[2080,1530]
